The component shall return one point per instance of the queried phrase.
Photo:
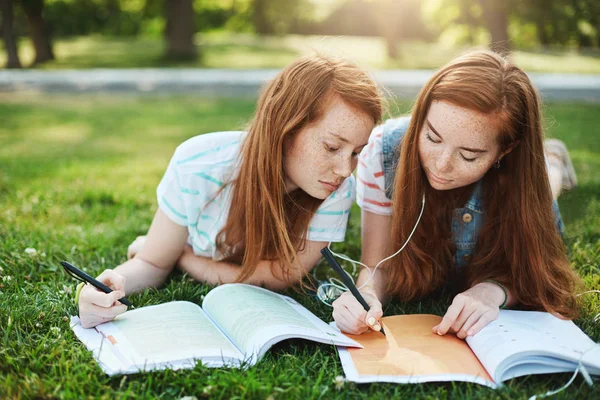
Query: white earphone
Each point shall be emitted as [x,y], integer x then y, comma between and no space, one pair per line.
[334,283]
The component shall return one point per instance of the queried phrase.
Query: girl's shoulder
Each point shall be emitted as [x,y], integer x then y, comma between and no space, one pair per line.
[209,161]
[210,146]
[393,130]
[383,142]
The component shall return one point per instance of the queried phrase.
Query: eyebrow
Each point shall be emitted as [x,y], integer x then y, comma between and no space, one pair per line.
[464,148]
[346,140]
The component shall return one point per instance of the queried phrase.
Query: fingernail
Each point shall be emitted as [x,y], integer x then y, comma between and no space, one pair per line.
[377,327]
[371,321]
[470,333]
[439,333]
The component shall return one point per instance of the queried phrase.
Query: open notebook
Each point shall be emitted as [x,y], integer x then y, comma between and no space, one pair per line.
[518,343]
[236,325]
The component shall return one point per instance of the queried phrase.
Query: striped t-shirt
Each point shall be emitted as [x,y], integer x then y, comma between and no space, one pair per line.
[202,165]
[370,185]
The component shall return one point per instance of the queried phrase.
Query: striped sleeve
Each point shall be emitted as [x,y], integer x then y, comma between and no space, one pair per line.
[330,220]
[169,196]
[370,185]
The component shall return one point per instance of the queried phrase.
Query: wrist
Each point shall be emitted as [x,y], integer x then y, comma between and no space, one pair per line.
[78,292]
[501,294]
[197,267]
[188,260]
[78,289]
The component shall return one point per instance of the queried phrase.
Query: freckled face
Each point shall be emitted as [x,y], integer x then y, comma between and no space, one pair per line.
[321,155]
[457,146]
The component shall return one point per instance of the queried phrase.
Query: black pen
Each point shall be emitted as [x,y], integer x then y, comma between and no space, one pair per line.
[346,279]
[79,274]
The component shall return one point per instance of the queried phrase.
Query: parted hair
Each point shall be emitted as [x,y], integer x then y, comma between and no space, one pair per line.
[519,244]
[265,222]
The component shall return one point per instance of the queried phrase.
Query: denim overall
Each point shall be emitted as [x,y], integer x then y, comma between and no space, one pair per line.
[466,221]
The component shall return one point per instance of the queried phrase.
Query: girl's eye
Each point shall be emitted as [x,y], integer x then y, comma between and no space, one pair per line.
[468,159]
[430,138]
[330,149]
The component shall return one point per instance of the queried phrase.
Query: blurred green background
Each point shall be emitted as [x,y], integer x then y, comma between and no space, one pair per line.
[551,36]
[78,172]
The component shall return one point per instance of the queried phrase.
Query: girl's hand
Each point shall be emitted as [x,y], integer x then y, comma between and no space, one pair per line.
[351,317]
[471,310]
[135,246]
[96,307]
[183,262]
[193,265]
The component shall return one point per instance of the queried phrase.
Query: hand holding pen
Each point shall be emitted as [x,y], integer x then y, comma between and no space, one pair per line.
[349,326]
[98,302]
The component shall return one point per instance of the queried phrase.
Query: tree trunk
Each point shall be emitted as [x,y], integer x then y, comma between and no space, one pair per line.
[390,20]
[180,29]
[541,32]
[8,34]
[495,14]
[594,19]
[37,31]
[260,18]
[469,19]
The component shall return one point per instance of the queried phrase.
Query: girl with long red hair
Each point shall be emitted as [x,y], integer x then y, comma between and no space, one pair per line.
[473,152]
[256,207]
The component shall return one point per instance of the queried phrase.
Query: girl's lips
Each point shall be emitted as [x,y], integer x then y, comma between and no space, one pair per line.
[437,178]
[330,186]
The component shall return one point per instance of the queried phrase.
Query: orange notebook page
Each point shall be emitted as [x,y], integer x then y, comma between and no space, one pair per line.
[410,348]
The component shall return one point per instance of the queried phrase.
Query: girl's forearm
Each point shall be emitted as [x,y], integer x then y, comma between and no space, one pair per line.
[213,272]
[375,283]
[140,274]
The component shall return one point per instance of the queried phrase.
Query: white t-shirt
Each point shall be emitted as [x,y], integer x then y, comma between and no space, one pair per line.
[202,165]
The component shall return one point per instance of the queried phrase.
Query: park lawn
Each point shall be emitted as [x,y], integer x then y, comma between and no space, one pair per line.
[77,182]
[231,50]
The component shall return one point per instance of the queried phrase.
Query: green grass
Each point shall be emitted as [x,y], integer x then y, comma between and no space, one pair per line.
[77,182]
[228,50]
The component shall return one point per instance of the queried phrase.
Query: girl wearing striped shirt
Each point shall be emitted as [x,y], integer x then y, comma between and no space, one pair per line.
[473,149]
[256,207]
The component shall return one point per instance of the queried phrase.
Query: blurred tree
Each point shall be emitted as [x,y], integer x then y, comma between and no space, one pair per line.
[394,20]
[353,17]
[540,15]
[457,21]
[470,18]
[8,34]
[557,22]
[277,16]
[260,17]
[398,20]
[214,14]
[561,22]
[180,29]
[589,12]
[37,30]
[495,14]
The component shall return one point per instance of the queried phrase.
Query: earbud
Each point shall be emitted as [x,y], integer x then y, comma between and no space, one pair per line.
[336,283]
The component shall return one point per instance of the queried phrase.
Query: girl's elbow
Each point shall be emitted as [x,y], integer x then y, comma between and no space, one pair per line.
[277,285]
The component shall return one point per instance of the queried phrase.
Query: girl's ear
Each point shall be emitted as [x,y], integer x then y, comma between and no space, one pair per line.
[509,149]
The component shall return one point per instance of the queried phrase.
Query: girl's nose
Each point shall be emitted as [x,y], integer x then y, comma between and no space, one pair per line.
[443,163]
[345,166]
